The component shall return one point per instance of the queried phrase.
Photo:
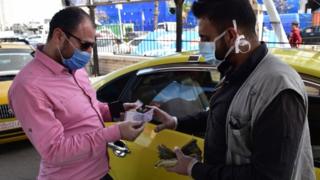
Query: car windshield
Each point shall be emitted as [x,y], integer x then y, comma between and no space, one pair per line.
[10,61]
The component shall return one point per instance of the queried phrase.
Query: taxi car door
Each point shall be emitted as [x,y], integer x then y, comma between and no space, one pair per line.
[179,92]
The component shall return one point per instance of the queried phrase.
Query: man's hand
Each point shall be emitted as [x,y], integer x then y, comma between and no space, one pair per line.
[131,106]
[130,130]
[182,164]
[167,121]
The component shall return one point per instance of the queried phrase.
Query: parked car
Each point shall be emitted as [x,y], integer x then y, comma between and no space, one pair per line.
[36,39]
[311,35]
[167,26]
[182,85]
[112,46]
[14,54]
[162,43]
[109,43]
[134,43]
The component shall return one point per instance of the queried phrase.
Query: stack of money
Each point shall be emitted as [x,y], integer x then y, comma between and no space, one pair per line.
[169,159]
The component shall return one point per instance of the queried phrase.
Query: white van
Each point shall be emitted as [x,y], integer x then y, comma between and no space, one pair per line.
[167,26]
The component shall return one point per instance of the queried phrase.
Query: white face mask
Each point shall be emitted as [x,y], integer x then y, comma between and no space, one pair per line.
[208,49]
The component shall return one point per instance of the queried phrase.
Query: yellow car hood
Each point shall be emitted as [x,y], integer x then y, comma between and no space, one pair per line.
[4,88]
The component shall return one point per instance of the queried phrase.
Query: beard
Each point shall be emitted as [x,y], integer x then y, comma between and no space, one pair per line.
[221,50]
[64,50]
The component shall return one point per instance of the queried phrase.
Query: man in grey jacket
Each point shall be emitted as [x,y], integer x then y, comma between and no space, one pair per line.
[257,125]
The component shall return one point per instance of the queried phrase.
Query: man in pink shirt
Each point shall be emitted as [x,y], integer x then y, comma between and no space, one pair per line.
[58,109]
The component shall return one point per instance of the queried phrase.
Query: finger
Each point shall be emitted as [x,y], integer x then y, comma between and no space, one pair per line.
[159,112]
[171,169]
[155,104]
[136,132]
[179,153]
[155,108]
[137,125]
[151,107]
[128,106]
[140,129]
[160,127]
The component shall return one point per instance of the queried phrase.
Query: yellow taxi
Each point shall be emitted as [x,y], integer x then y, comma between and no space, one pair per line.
[181,85]
[14,54]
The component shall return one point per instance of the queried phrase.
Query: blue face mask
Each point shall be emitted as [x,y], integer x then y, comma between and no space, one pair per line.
[207,50]
[77,61]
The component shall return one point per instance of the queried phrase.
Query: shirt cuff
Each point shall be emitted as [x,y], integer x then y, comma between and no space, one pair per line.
[112,133]
[190,166]
[175,122]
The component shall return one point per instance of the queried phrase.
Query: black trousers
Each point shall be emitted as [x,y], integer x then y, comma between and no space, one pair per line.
[107,177]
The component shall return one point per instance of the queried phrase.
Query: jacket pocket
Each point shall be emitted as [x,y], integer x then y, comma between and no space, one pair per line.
[239,138]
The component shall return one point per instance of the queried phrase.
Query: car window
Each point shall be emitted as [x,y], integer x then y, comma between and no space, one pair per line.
[179,93]
[14,61]
[313,90]
[111,92]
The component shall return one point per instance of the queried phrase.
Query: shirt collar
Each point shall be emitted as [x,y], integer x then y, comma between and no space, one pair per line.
[245,69]
[49,63]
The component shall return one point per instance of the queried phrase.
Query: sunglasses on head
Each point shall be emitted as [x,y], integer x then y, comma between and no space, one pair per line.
[84,45]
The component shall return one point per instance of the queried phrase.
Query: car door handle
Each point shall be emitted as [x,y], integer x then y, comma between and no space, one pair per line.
[119,148]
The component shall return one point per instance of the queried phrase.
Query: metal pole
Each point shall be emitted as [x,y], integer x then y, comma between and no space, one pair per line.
[95,49]
[179,6]
[2,18]
[156,14]
[276,22]
[119,7]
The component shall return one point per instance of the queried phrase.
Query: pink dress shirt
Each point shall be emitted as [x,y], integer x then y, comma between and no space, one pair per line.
[62,118]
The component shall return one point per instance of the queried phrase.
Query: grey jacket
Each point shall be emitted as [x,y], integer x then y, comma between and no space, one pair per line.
[269,78]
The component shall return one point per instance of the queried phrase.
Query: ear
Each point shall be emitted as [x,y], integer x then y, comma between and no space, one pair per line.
[58,36]
[231,36]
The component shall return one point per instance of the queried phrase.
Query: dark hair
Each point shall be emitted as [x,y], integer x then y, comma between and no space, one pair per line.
[67,19]
[222,12]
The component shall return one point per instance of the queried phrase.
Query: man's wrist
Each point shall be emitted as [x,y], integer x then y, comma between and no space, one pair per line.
[190,166]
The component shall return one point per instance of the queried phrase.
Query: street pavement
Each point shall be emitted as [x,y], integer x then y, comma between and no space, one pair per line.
[18,161]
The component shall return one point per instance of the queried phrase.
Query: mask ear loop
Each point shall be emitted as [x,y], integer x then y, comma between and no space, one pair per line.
[235,24]
[59,50]
[60,53]
[240,41]
[229,52]
[69,41]
[236,43]
[61,56]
